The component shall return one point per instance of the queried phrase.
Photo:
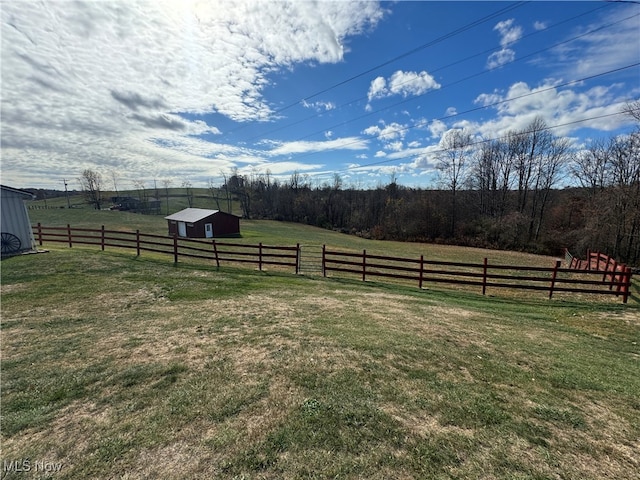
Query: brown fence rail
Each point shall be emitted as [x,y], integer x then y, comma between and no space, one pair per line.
[214,250]
[599,278]
[483,275]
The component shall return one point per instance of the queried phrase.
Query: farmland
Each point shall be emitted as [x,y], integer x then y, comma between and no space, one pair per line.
[117,366]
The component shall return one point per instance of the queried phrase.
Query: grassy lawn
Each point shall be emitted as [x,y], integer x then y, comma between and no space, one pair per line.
[284,233]
[123,367]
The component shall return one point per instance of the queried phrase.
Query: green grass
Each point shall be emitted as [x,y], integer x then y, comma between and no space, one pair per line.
[285,233]
[119,366]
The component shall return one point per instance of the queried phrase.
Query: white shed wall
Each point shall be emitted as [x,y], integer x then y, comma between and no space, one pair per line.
[14,218]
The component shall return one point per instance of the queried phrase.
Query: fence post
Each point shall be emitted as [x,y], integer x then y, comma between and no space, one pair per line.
[260,256]
[102,238]
[297,258]
[364,265]
[39,234]
[138,243]
[618,278]
[553,278]
[421,271]
[324,260]
[613,272]
[175,248]
[627,284]
[215,252]
[484,276]
[69,235]
[588,260]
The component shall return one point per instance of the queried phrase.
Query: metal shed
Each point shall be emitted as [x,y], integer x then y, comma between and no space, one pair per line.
[15,226]
[203,223]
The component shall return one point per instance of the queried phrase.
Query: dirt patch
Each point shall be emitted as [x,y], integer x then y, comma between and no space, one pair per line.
[423,424]
[629,317]
[13,288]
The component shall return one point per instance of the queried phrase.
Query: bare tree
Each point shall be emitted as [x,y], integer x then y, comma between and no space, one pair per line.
[453,165]
[167,183]
[91,184]
[491,176]
[214,192]
[591,167]
[551,161]
[188,187]
[225,187]
[633,109]
[114,179]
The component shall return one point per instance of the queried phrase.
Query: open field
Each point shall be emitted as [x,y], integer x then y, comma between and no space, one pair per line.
[284,233]
[121,367]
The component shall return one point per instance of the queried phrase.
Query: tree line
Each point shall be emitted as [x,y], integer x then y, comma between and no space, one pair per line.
[503,193]
[500,193]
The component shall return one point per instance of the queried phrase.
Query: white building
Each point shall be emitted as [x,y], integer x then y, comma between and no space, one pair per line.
[15,226]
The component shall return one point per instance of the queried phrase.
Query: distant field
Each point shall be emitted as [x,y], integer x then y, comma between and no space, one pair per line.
[284,233]
[311,240]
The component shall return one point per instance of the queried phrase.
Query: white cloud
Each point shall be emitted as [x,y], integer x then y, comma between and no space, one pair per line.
[402,83]
[386,132]
[499,58]
[520,104]
[539,25]
[319,106]
[394,146]
[437,128]
[289,148]
[509,34]
[602,50]
[377,88]
[122,83]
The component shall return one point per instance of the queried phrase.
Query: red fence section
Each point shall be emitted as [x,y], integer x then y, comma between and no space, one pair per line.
[612,271]
[484,275]
[210,249]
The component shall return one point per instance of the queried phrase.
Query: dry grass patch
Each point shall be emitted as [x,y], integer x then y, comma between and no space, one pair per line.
[171,372]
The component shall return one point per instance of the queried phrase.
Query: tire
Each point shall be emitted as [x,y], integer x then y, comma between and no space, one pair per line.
[10,243]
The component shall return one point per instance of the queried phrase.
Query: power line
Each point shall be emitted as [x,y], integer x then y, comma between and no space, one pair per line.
[479,142]
[500,102]
[601,27]
[399,57]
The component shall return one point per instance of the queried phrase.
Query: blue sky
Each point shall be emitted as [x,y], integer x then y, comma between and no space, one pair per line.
[191,90]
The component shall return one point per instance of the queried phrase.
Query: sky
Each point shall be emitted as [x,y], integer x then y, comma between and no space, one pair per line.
[190,91]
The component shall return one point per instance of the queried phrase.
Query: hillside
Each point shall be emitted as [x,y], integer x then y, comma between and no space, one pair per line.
[117,366]
[283,233]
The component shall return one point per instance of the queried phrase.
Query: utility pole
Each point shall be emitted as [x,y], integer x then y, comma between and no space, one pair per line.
[66,192]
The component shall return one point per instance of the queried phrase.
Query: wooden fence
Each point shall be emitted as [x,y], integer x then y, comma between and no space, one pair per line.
[597,262]
[483,275]
[178,247]
[607,281]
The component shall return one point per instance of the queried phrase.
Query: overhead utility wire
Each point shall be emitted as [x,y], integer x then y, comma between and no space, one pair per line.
[484,52]
[479,142]
[360,117]
[415,50]
[500,102]
[399,57]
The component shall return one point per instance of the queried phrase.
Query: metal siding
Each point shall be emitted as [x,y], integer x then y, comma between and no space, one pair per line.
[197,231]
[14,219]
[225,224]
